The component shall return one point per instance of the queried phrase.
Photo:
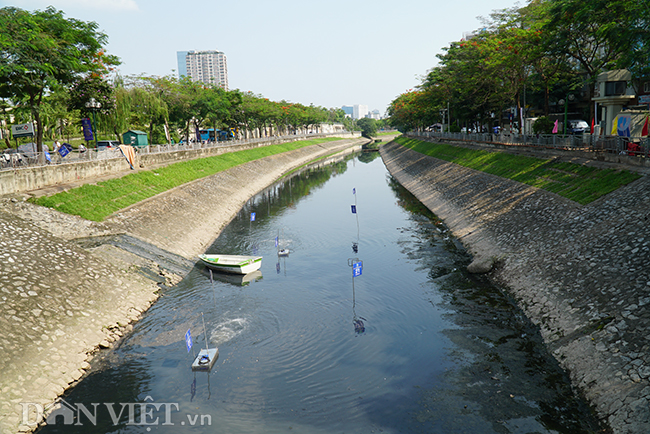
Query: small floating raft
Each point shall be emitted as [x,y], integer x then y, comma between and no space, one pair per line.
[206,359]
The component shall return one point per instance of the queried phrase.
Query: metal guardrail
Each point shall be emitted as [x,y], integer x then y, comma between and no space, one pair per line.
[634,146]
[17,159]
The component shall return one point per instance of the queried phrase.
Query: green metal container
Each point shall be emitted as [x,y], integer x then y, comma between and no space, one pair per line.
[135,138]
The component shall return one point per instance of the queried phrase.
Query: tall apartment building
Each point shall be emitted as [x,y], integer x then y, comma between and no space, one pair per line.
[182,63]
[359,111]
[209,67]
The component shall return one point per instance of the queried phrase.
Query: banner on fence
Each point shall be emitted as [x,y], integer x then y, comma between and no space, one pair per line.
[621,125]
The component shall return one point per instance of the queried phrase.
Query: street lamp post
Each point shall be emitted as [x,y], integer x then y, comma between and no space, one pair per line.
[569,97]
[94,105]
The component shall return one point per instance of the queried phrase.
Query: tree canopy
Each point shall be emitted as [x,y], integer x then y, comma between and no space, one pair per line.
[529,57]
[42,51]
[51,66]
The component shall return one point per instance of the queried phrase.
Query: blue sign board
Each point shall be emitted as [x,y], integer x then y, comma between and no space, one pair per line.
[88,129]
[63,151]
[357,269]
[188,340]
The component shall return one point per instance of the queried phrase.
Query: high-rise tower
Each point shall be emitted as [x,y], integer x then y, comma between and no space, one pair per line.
[209,67]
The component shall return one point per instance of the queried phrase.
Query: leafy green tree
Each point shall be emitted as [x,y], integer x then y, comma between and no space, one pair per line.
[87,87]
[589,35]
[416,109]
[543,125]
[633,27]
[41,51]
[368,127]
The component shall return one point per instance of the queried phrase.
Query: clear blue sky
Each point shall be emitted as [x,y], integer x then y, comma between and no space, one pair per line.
[329,53]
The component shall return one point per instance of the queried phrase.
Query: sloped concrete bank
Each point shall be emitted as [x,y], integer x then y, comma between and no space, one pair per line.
[64,293]
[581,273]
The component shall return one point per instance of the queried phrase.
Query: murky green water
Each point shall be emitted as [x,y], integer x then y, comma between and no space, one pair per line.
[412,345]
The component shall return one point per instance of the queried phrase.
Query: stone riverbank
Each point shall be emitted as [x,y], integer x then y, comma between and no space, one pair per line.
[69,287]
[581,273]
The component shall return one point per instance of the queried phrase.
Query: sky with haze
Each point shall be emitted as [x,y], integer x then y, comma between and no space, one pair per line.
[327,53]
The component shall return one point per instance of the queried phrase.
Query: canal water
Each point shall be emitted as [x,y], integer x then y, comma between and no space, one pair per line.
[412,344]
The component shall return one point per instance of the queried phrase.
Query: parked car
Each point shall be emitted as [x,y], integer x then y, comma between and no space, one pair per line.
[107,144]
[578,127]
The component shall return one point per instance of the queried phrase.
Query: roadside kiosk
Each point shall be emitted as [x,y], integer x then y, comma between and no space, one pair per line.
[135,138]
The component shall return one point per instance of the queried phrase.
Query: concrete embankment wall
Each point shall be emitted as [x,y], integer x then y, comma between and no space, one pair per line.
[581,273]
[32,178]
[62,298]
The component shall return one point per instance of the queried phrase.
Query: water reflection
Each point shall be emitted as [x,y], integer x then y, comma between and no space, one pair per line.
[442,352]
[357,270]
[504,373]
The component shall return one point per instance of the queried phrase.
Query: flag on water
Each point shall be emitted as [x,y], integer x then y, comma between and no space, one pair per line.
[252,216]
[188,340]
[354,209]
[357,269]
[354,191]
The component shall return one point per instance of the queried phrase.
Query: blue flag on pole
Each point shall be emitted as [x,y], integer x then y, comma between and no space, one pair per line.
[188,340]
[354,209]
[354,191]
[252,216]
[276,242]
[87,129]
[357,269]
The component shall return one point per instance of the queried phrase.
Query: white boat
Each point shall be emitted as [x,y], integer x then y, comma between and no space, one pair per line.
[237,264]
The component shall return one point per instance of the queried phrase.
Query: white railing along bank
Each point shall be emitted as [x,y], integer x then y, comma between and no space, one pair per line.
[633,146]
[19,159]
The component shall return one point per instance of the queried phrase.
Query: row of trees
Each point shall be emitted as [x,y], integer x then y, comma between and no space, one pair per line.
[172,109]
[51,66]
[532,57]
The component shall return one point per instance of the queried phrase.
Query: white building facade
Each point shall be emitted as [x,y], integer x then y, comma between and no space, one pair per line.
[209,67]
[359,111]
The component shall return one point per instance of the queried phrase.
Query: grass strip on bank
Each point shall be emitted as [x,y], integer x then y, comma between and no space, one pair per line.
[576,182]
[97,201]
